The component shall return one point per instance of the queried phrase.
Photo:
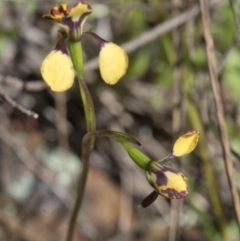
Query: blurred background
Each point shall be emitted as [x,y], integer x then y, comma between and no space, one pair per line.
[165,93]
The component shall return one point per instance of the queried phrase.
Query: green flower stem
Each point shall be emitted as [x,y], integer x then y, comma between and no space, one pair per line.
[87,147]
[76,53]
[81,188]
[75,50]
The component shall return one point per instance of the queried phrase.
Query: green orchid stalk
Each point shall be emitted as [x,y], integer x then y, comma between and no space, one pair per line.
[58,71]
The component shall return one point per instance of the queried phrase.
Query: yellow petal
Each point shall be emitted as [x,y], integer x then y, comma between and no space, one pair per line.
[113,63]
[57,71]
[186,143]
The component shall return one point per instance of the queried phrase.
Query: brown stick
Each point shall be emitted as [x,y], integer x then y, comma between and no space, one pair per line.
[152,34]
[212,65]
[17,106]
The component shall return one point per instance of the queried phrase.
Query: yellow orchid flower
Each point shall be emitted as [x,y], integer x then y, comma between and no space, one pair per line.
[71,20]
[57,68]
[166,181]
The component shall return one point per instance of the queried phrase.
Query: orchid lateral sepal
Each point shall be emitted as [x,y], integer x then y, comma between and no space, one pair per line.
[57,68]
[113,60]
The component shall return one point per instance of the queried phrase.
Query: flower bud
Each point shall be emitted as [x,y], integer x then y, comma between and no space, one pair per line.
[166,181]
[186,143]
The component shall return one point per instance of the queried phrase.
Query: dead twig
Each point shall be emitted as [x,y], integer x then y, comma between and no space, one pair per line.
[155,32]
[212,65]
[17,106]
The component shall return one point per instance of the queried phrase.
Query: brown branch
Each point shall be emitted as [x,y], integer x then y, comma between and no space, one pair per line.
[17,106]
[155,32]
[212,65]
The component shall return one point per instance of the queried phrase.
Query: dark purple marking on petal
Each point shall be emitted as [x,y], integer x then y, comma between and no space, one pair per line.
[61,46]
[172,193]
[101,42]
[75,30]
[162,180]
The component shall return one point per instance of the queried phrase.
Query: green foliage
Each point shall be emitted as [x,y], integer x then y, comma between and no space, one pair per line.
[139,63]
[136,23]
[198,57]
[231,73]
[223,28]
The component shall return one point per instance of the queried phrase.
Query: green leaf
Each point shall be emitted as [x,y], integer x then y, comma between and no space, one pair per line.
[117,136]
[231,73]
[139,63]
[137,156]
[124,139]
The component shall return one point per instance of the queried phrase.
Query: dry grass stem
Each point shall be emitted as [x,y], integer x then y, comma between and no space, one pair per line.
[17,106]
[212,65]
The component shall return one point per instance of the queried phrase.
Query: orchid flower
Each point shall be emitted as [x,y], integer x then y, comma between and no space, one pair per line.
[57,68]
